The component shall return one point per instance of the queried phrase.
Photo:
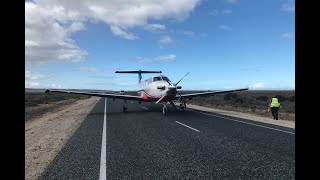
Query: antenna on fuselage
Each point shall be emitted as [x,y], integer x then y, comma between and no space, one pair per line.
[139,73]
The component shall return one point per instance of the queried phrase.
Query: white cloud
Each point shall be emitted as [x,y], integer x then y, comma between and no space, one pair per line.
[76,26]
[50,23]
[287,35]
[288,6]
[86,69]
[33,76]
[101,77]
[188,33]
[112,84]
[29,84]
[54,86]
[119,32]
[225,28]
[165,40]
[257,85]
[166,58]
[231,1]
[227,11]
[154,27]
[31,43]
[48,40]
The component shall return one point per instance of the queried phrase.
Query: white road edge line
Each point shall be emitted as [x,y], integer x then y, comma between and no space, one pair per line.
[187,126]
[244,122]
[103,159]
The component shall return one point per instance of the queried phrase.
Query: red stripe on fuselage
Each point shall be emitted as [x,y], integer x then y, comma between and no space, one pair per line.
[146,97]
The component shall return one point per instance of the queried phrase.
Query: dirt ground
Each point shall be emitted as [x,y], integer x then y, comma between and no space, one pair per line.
[265,119]
[46,131]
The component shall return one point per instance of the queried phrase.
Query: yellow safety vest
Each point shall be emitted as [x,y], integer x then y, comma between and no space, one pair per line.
[274,102]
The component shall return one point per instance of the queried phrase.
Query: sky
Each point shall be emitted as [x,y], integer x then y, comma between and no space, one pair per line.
[224,44]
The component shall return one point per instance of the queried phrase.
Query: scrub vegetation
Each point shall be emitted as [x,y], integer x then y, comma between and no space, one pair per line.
[38,102]
[253,101]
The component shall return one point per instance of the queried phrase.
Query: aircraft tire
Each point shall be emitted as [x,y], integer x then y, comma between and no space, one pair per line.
[164,111]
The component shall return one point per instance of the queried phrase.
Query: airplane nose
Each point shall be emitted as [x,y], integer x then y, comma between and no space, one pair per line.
[172,90]
[171,87]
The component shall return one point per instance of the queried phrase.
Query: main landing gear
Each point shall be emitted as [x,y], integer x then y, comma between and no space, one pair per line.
[125,106]
[182,104]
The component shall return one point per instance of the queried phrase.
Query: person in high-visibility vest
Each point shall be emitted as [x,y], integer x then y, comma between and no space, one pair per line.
[274,105]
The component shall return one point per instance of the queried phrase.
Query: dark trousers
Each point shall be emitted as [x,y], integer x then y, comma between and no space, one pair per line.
[274,112]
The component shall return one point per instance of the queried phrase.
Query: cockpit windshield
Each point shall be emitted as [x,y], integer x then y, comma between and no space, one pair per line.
[165,78]
[160,78]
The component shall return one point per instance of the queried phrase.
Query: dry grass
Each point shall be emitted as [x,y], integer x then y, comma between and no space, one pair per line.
[254,102]
[39,103]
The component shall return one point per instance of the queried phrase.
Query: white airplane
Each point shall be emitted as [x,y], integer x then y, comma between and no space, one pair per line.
[158,89]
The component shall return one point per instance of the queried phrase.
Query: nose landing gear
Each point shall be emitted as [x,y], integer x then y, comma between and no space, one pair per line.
[164,110]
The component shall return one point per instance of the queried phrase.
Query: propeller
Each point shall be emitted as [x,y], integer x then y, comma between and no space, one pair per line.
[181,79]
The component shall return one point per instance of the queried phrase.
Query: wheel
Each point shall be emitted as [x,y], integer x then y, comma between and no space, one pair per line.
[164,111]
[181,106]
[124,109]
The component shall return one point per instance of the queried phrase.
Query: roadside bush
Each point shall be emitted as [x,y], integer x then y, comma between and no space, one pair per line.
[281,98]
[292,98]
[262,98]
[238,100]
[30,104]
[230,96]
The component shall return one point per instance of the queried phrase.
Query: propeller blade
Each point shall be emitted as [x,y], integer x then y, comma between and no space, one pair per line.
[182,78]
[160,99]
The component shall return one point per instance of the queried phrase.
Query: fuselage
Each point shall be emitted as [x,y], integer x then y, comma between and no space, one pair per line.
[156,87]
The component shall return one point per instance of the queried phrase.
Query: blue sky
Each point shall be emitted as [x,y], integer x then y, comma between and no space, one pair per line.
[224,44]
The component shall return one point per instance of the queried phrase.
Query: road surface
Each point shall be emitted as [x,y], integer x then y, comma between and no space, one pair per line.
[144,144]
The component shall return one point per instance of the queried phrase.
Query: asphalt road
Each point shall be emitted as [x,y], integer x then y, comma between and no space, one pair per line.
[144,144]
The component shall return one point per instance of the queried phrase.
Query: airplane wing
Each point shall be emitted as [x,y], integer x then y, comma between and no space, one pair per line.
[115,96]
[190,96]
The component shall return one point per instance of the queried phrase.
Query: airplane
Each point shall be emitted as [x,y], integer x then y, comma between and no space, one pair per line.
[159,89]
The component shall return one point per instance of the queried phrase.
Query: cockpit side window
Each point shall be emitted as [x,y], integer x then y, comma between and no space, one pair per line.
[157,79]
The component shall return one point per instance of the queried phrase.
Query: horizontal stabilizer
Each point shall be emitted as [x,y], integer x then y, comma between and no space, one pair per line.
[138,72]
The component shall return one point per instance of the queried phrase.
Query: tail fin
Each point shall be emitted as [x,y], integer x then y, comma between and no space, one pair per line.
[138,72]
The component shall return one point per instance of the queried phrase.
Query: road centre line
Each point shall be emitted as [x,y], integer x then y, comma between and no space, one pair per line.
[103,159]
[244,122]
[187,126]
[144,107]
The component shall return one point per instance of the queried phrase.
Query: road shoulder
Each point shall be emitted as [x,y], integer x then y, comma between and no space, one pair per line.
[283,123]
[46,135]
